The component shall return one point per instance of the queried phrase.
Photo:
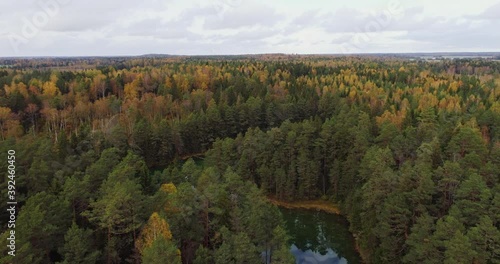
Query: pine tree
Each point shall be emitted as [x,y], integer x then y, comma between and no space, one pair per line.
[472,199]
[119,208]
[421,248]
[459,250]
[243,250]
[161,251]
[393,225]
[280,253]
[78,247]
[485,240]
[445,230]
[203,256]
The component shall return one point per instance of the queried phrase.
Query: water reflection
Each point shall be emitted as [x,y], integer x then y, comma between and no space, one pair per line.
[310,257]
[318,237]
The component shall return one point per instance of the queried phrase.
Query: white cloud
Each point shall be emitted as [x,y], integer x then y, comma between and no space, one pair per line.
[130,27]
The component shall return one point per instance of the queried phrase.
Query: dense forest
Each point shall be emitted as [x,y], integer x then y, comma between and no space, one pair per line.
[171,159]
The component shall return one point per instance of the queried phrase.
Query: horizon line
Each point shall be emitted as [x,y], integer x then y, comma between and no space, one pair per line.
[256,54]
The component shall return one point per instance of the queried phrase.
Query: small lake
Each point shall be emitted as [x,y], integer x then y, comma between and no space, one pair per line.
[319,238]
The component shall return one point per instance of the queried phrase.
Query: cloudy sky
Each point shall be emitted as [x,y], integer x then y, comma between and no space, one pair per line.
[131,27]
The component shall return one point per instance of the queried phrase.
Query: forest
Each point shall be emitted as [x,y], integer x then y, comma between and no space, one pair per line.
[172,159]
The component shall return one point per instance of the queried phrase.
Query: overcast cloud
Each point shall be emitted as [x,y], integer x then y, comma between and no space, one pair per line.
[130,27]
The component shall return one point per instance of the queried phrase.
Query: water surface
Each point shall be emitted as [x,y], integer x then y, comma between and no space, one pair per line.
[319,237]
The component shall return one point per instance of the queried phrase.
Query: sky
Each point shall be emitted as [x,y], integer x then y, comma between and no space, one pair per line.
[195,27]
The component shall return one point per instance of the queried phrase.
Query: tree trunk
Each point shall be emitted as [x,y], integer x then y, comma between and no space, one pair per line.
[109,239]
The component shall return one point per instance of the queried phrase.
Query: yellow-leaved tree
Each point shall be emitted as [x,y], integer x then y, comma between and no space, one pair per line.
[5,113]
[50,89]
[155,242]
[130,91]
[168,188]
[155,228]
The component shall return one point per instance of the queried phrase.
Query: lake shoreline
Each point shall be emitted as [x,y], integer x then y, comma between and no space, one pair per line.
[318,205]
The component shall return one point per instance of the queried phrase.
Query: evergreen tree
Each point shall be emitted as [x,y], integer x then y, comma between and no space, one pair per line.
[421,248]
[161,251]
[459,249]
[485,241]
[473,198]
[79,246]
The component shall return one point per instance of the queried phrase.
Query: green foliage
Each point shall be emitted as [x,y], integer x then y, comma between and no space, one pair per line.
[485,240]
[78,246]
[161,251]
[40,227]
[420,242]
[473,198]
[409,149]
[459,249]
